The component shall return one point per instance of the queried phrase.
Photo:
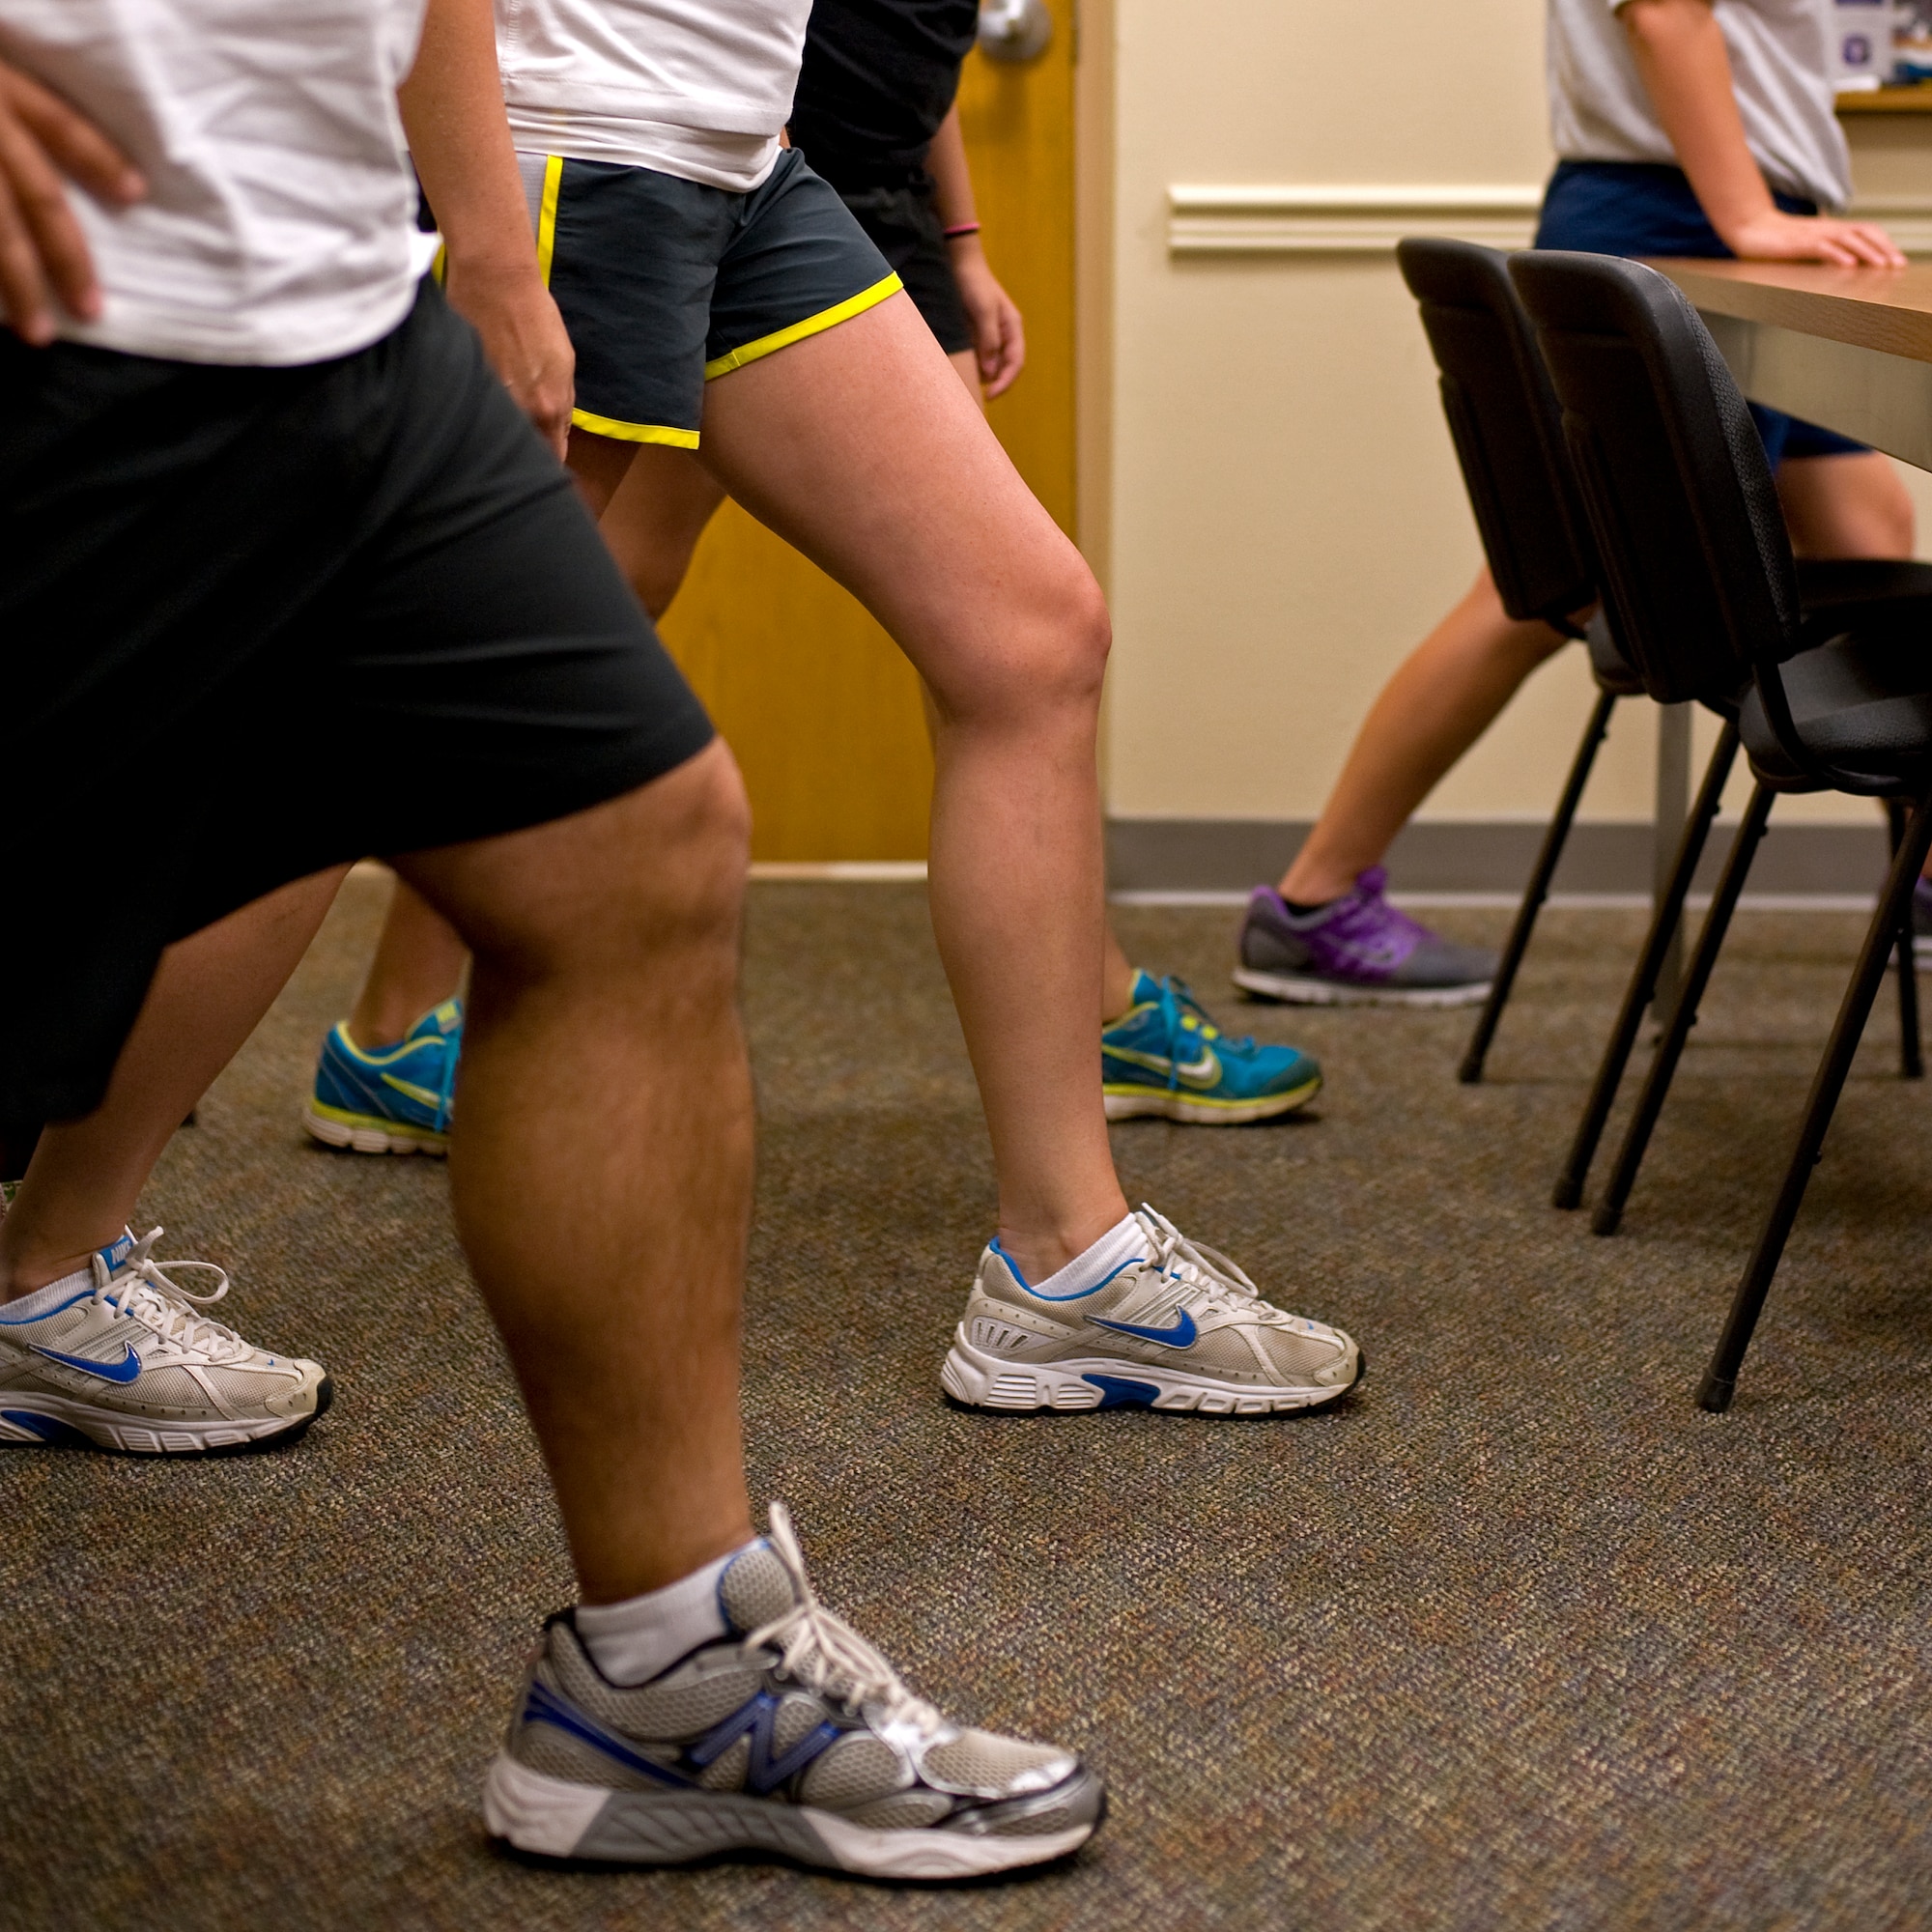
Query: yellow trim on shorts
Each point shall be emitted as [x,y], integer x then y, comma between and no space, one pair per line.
[547,214]
[623,432]
[812,324]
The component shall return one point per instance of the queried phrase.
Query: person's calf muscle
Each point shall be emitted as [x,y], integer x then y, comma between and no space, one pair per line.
[601,1161]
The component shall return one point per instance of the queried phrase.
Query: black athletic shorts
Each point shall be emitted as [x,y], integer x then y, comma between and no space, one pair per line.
[255,622]
[904,226]
[665,284]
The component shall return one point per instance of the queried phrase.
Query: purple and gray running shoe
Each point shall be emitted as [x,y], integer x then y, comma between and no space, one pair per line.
[1358,951]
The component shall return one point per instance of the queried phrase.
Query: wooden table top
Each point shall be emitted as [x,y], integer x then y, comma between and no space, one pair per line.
[1889,309]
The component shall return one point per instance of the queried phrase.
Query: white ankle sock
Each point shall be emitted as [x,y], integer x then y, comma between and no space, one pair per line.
[1123,1242]
[632,1641]
[44,1300]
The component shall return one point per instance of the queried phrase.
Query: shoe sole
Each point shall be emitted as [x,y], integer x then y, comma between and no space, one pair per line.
[982,1381]
[52,1421]
[364,1133]
[549,1818]
[1296,991]
[1129,1103]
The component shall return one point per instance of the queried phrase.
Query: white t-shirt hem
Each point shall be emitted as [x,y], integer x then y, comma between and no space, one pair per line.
[735,162]
[258,339]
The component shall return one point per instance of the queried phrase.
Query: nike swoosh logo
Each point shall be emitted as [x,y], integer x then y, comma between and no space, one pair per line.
[1203,1072]
[123,1371]
[1180,1336]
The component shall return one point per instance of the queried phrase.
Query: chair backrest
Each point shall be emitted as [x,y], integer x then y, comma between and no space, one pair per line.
[1507,428]
[1696,566]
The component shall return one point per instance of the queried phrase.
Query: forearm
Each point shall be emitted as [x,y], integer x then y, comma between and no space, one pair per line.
[1681,57]
[951,178]
[452,108]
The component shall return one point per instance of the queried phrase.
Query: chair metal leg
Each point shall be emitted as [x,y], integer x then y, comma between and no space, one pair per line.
[1569,1190]
[1684,1015]
[1721,1378]
[1537,891]
[1911,1056]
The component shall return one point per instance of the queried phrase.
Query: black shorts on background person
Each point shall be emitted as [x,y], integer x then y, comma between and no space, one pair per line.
[877,81]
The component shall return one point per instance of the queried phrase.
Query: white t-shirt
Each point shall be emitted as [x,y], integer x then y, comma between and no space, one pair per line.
[279,224]
[694,87]
[1780,68]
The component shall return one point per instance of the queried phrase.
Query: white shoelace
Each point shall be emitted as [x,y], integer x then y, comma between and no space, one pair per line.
[1203,1276]
[825,1654]
[141,1288]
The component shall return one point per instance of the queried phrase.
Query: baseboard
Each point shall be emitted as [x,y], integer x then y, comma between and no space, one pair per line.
[1214,854]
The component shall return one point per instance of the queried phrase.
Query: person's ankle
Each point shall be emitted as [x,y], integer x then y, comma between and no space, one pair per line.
[1314,886]
[33,1272]
[1117,998]
[1041,1251]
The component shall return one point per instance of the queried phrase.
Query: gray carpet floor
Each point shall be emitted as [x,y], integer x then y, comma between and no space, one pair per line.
[1515,1636]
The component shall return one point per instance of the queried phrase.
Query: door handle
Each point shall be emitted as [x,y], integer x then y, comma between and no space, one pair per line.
[1014,30]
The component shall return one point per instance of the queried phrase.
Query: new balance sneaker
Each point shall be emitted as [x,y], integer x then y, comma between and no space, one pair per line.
[1179,1327]
[1165,1056]
[792,1735]
[119,1357]
[392,1099]
[1358,951]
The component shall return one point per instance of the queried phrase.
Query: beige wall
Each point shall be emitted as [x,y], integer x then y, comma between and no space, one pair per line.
[1286,518]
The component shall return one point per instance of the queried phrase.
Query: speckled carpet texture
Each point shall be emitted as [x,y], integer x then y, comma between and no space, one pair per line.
[1515,1636]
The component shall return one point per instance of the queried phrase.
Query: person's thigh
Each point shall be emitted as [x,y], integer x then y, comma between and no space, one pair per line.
[1851,505]
[861,446]
[654,518]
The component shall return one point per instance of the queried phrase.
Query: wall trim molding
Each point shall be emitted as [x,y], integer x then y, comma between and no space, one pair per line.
[1369,218]
[1603,857]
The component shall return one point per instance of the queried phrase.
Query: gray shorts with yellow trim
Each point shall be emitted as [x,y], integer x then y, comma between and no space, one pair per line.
[664,283]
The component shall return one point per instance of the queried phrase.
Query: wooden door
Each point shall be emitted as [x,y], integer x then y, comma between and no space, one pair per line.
[813,698]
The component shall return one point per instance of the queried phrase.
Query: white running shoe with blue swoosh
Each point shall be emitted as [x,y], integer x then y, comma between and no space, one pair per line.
[1179,1327]
[118,1355]
[790,1735]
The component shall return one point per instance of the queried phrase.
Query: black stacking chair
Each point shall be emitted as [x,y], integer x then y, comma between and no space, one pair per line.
[1504,421]
[1832,593]
[1698,574]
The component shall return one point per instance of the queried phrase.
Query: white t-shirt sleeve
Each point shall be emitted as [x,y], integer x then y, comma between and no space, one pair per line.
[1781,71]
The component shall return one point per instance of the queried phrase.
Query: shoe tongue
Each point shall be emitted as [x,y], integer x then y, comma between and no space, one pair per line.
[119,1252]
[1371,883]
[757,1588]
[1147,988]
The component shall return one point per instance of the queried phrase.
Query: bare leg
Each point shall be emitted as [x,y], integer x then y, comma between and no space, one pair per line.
[1845,506]
[859,447]
[602,1159]
[1444,697]
[207,996]
[1117,971]
[418,964]
[666,499]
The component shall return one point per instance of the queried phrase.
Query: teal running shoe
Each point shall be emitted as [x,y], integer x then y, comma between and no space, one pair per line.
[393,1099]
[1165,1056]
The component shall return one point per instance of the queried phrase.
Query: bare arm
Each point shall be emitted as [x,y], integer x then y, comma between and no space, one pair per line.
[44,257]
[999,335]
[1680,53]
[452,108]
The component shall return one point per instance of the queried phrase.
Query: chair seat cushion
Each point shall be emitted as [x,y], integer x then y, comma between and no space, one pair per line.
[1863,702]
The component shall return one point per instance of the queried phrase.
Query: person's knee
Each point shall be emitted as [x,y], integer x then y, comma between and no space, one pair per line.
[1046,656]
[657,872]
[688,859]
